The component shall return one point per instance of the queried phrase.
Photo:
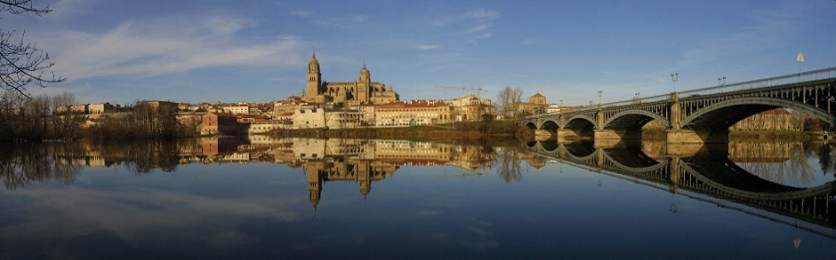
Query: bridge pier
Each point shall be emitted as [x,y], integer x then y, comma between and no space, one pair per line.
[566,134]
[607,138]
[542,134]
[609,134]
[686,136]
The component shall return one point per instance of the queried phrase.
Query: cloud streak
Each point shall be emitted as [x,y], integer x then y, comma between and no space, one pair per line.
[168,45]
[426,47]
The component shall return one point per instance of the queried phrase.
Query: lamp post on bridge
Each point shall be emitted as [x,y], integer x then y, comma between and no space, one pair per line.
[674,78]
[599,97]
[721,81]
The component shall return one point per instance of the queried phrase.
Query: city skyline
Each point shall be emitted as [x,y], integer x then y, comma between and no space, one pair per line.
[257,50]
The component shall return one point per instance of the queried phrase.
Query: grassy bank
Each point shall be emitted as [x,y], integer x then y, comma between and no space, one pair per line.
[482,132]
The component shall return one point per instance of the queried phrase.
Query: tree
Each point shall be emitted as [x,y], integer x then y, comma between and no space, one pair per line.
[508,98]
[21,62]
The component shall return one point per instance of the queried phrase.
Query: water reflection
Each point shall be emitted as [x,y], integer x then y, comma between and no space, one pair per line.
[359,161]
[780,177]
[218,187]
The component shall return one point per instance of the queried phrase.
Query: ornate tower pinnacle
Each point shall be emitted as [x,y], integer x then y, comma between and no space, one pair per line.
[364,83]
[314,77]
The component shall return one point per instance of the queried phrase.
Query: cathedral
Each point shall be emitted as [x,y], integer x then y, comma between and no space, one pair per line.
[364,91]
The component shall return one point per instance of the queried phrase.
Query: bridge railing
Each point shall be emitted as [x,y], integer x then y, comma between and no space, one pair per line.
[812,75]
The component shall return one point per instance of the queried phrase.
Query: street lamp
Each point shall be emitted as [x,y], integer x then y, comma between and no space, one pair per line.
[674,78]
[599,96]
[721,81]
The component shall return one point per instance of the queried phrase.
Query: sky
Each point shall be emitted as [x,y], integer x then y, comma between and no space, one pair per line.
[212,50]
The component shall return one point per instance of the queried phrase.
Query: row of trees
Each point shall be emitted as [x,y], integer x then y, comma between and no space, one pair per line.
[25,119]
[508,100]
[142,121]
[31,118]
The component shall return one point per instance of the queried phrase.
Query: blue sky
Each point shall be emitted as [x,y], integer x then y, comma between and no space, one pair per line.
[208,50]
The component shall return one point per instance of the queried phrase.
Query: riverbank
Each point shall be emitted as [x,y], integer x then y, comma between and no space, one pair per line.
[481,132]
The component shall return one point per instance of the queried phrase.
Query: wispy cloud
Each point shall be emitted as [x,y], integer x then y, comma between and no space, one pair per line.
[483,20]
[167,45]
[480,28]
[426,47]
[531,41]
[483,14]
[343,21]
[301,13]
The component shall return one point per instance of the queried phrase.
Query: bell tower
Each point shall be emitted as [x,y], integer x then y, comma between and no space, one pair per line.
[364,84]
[314,77]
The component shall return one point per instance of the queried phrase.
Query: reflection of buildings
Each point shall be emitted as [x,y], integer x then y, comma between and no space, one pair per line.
[322,160]
[343,160]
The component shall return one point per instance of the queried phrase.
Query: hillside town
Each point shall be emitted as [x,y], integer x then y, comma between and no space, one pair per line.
[325,105]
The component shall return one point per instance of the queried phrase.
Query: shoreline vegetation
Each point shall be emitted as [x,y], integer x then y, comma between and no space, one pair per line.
[39,119]
[494,131]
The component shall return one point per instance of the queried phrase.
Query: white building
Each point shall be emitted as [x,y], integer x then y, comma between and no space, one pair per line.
[265,126]
[309,117]
[236,109]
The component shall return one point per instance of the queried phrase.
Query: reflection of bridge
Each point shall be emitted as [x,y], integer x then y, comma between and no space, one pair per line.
[715,177]
[699,115]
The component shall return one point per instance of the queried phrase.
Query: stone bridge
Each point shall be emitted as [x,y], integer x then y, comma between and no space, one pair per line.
[714,176]
[699,115]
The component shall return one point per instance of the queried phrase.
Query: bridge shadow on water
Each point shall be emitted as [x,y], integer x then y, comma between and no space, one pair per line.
[766,178]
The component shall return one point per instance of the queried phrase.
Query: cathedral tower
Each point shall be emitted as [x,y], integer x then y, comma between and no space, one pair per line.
[364,83]
[314,78]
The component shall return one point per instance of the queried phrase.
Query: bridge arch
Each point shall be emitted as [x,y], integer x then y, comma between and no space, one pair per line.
[789,193]
[726,113]
[549,125]
[580,151]
[531,125]
[580,121]
[550,145]
[641,163]
[633,119]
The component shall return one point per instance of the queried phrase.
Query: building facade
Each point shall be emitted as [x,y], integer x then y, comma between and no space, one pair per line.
[215,123]
[412,114]
[536,105]
[236,109]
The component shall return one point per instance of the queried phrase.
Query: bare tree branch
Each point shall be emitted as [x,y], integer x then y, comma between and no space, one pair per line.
[21,62]
[22,6]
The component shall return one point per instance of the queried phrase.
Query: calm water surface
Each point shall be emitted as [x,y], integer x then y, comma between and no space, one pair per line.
[309,198]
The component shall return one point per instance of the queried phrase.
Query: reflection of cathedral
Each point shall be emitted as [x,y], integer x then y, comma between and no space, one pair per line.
[361,92]
[339,160]
[362,172]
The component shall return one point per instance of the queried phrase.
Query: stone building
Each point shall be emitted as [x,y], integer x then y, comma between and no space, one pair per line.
[94,108]
[236,109]
[412,114]
[332,118]
[536,105]
[471,108]
[265,126]
[215,123]
[353,93]
[308,117]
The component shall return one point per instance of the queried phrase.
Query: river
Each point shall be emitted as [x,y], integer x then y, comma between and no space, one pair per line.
[264,198]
